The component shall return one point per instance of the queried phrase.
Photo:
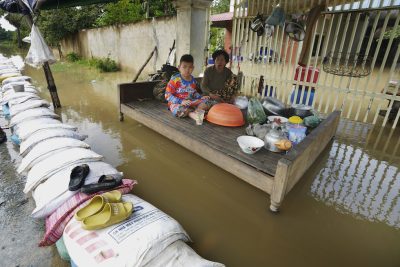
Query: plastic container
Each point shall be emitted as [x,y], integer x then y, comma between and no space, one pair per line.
[296,133]
[250,144]
[225,115]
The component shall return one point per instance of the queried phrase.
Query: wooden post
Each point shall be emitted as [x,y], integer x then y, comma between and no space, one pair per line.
[144,65]
[51,86]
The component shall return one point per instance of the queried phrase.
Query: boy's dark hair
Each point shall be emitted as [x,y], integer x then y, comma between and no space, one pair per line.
[219,52]
[186,58]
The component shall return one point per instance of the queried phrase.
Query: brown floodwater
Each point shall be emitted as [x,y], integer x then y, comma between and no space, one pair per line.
[345,211]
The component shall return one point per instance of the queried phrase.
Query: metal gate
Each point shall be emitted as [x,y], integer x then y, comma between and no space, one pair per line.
[350,59]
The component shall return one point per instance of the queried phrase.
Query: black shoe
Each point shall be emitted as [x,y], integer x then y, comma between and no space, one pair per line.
[77,177]
[106,182]
[3,136]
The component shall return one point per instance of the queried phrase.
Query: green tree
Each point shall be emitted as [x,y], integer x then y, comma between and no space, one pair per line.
[19,23]
[220,6]
[124,11]
[58,23]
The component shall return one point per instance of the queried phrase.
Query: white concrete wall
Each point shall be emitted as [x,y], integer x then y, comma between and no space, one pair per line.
[129,45]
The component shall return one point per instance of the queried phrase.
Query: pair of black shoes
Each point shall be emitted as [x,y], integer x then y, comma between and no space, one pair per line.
[3,136]
[77,180]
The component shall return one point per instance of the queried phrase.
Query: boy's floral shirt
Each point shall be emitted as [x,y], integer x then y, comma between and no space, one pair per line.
[178,89]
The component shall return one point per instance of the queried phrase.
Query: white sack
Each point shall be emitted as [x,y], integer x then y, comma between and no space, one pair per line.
[25,133]
[39,52]
[46,149]
[9,85]
[10,97]
[9,70]
[23,99]
[46,168]
[40,136]
[36,103]
[6,66]
[132,243]
[180,254]
[16,79]
[57,185]
[32,113]
[31,123]
[26,89]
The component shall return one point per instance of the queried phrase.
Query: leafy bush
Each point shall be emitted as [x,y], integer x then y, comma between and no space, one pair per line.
[104,65]
[107,65]
[73,57]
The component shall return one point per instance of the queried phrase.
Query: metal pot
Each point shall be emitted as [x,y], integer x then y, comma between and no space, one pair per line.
[276,141]
[274,106]
[302,110]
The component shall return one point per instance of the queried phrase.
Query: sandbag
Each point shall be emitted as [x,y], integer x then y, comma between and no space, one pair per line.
[16,79]
[15,109]
[44,134]
[9,75]
[56,222]
[46,149]
[9,70]
[23,99]
[31,123]
[32,113]
[57,185]
[24,134]
[180,254]
[27,89]
[47,167]
[133,242]
[9,86]
[16,95]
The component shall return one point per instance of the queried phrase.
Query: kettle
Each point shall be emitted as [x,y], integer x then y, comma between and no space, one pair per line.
[276,141]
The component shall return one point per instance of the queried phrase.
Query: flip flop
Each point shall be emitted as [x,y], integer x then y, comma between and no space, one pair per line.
[96,204]
[112,213]
[77,177]
[105,182]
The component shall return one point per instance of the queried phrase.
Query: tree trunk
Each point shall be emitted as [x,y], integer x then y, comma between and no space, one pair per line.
[60,51]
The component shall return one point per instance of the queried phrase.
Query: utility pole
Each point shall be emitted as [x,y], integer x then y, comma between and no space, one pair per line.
[51,86]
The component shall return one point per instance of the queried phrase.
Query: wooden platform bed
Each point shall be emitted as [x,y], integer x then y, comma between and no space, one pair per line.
[273,173]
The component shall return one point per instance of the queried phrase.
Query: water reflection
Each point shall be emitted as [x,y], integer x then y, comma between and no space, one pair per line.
[357,179]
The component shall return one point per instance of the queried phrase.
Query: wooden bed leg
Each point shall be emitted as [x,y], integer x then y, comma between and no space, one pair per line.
[121,116]
[279,185]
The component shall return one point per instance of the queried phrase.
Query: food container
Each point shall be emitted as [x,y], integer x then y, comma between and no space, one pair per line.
[250,144]
[302,110]
[296,133]
[276,141]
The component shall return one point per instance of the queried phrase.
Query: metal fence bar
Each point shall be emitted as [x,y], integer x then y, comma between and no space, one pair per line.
[374,61]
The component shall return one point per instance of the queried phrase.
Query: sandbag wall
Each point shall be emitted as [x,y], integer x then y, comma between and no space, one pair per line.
[50,149]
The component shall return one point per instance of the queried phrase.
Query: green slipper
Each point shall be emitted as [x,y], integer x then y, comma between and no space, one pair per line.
[97,203]
[112,213]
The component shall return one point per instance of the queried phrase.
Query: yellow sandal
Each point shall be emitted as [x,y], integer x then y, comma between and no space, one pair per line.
[112,213]
[96,204]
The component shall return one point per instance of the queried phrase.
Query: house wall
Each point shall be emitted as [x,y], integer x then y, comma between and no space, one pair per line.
[129,45]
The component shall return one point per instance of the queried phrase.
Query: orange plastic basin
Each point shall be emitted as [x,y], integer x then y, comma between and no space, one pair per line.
[225,115]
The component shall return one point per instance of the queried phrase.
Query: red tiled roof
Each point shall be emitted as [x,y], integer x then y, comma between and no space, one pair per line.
[222,17]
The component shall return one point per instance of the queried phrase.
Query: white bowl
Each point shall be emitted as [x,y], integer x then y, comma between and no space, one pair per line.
[272,118]
[250,144]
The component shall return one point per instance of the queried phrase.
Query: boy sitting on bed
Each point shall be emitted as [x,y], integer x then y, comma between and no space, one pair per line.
[181,92]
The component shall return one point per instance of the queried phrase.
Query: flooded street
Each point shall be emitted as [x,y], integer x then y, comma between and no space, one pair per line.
[344,212]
